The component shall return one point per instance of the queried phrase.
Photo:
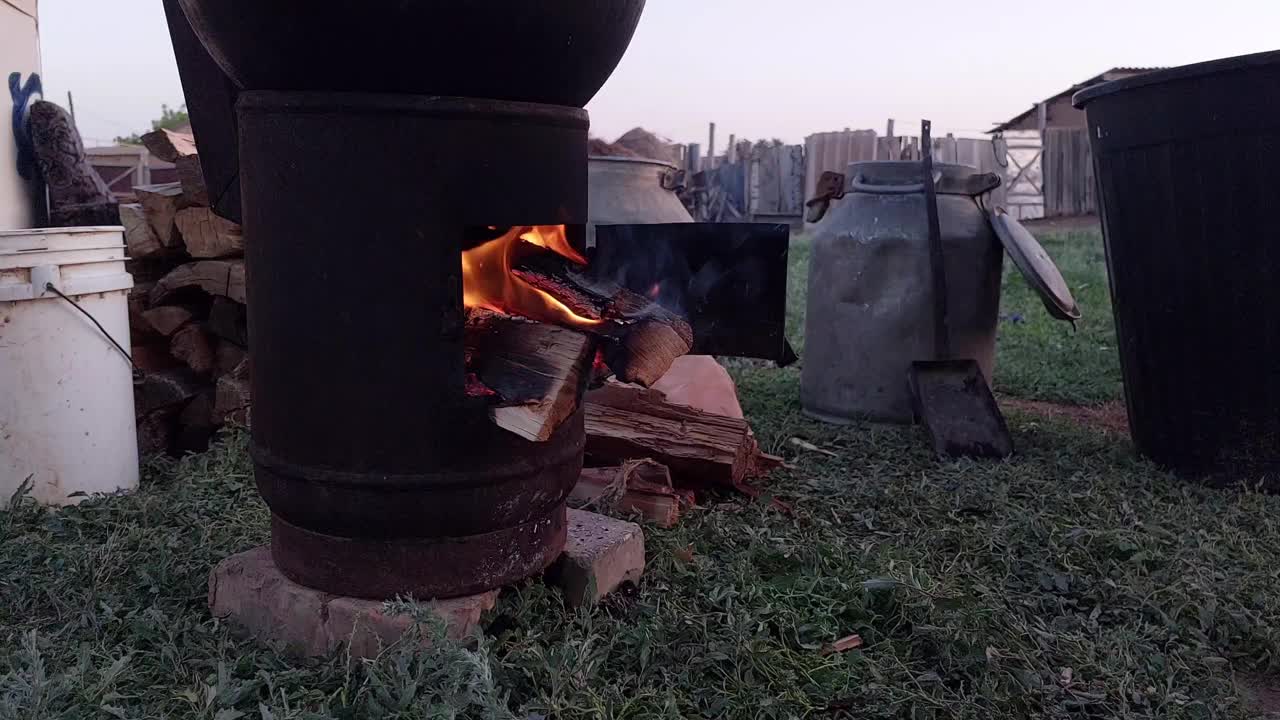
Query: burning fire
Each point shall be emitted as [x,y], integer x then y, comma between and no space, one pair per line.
[487,280]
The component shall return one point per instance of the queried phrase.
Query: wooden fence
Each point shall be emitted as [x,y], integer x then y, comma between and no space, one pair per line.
[1067,166]
[753,182]
[834,151]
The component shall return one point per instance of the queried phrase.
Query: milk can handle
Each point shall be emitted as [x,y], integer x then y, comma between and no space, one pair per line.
[860,184]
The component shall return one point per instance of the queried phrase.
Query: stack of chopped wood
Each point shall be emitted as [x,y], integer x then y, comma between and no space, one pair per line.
[187,308]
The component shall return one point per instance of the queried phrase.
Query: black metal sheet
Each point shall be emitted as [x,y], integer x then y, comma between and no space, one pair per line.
[728,279]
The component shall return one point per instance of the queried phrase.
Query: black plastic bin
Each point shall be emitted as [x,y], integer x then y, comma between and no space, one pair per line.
[1188,168]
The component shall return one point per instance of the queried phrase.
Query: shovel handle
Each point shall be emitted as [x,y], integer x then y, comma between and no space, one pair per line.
[937,260]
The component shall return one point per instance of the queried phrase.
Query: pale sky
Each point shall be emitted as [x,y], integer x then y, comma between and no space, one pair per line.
[757,68]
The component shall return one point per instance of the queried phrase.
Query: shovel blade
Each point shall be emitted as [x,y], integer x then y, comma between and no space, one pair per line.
[956,407]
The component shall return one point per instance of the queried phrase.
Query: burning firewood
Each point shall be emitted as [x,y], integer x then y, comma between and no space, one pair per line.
[535,373]
[641,338]
[647,350]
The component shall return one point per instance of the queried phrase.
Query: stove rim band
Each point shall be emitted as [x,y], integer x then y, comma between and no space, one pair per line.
[293,552]
[276,102]
[482,477]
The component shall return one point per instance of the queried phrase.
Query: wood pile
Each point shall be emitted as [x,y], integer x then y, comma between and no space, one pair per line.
[187,307]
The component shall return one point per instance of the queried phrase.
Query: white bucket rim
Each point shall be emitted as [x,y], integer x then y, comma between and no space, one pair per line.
[59,240]
[73,230]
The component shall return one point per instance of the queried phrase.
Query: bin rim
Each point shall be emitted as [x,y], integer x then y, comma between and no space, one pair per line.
[1183,72]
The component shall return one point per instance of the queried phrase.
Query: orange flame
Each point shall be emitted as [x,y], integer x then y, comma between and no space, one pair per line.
[487,280]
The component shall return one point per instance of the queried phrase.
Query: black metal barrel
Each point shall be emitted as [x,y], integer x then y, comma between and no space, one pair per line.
[382,477]
[1188,166]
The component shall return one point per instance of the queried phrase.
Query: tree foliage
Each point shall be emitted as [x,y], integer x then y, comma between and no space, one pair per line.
[170,119]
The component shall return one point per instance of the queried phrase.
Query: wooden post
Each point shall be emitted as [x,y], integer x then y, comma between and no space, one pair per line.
[693,158]
[71,107]
[889,129]
[1043,112]
[711,145]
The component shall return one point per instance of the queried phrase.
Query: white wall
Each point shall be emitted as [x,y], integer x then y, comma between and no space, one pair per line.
[20,53]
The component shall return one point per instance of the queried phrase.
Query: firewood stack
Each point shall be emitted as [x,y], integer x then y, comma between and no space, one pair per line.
[187,308]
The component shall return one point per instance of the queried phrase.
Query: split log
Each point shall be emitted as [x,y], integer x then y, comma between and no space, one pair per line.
[167,319]
[156,431]
[191,345]
[642,487]
[169,145]
[648,350]
[161,204]
[232,400]
[196,424]
[642,338]
[228,320]
[191,178]
[537,371]
[164,389]
[208,236]
[139,301]
[627,423]
[223,278]
[153,356]
[228,357]
[139,238]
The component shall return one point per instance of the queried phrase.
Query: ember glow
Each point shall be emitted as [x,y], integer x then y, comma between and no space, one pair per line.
[487,280]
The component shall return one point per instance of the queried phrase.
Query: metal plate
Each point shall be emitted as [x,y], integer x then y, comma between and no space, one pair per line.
[1036,266]
[729,279]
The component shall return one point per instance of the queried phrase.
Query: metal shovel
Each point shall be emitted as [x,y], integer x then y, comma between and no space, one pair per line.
[950,396]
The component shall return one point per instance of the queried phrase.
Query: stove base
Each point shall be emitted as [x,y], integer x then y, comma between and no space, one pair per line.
[253,593]
[418,567]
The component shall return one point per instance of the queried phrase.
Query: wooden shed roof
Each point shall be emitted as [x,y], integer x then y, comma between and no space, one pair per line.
[1112,74]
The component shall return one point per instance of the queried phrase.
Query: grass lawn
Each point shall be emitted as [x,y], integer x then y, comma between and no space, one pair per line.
[1073,581]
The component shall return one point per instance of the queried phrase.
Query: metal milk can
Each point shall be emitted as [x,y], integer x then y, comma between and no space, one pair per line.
[870,307]
[626,191]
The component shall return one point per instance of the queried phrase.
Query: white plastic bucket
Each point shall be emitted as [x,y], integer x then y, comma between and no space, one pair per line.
[66,392]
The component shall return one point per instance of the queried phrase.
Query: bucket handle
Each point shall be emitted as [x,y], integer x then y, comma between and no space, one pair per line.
[50,287]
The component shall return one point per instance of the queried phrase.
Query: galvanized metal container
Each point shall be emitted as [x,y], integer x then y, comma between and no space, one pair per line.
[632,191]
[870,311]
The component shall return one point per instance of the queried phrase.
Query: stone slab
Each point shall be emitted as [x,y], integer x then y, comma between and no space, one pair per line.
[248,591]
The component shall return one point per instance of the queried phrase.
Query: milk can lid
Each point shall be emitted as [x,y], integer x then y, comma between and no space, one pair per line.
[1036,266]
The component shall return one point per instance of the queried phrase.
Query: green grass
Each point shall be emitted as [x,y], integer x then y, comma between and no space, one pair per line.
[1072,581]
[1040,358]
